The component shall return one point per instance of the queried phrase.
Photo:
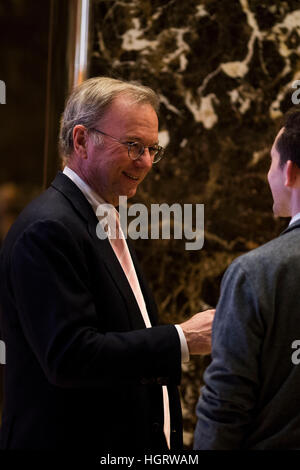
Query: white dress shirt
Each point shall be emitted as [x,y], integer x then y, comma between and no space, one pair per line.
[295,218]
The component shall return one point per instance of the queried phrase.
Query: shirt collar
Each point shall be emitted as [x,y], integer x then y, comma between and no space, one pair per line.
[93,198]
[294,218]
[107,221]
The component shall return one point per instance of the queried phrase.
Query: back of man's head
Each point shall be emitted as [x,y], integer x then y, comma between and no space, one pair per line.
[89,102]
[288,143]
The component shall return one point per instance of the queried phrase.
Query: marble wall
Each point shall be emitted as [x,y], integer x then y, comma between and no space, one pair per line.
[223,71]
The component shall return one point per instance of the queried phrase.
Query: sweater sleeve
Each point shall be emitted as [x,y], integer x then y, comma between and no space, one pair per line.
[227,403]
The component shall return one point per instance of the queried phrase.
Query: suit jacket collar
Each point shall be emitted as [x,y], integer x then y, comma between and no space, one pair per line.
[84,209]
[77,199]
[291,227]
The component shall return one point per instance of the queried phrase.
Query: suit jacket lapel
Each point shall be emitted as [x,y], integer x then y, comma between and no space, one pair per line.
[148,297]
[116,271]
[79,202]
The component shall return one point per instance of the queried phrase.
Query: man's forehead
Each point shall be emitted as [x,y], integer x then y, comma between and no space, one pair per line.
[274,150]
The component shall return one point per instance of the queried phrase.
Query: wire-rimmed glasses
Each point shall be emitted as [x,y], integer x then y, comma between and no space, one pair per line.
[137,149]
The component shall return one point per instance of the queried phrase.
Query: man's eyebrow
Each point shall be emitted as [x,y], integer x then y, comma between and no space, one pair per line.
[130,138]
[133,138]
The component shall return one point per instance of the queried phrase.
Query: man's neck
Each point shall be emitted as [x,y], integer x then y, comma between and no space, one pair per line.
[94,199]
[295,202]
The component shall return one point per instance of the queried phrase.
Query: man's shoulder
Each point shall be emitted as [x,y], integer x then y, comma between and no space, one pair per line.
[50,205]
[273,254]
[49,209]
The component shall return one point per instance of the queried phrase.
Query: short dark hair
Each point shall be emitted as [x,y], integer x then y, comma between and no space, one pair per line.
[288,143]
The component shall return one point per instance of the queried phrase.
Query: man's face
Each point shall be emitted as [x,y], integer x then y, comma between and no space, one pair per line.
[276,177]
[108,169]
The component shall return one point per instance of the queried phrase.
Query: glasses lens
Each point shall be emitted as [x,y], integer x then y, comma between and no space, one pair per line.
[158,154]
[135,150]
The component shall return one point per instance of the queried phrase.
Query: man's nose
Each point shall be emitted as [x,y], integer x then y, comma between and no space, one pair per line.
[145,160]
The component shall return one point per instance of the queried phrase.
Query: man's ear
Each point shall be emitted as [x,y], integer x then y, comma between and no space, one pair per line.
[80,141]
[292,175]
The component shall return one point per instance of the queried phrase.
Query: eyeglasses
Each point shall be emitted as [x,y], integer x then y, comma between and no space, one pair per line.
[137,149]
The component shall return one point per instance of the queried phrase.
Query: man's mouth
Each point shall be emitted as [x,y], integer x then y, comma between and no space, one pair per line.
[132,177]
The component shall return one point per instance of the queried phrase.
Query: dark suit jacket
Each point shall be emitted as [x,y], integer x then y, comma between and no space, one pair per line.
[252,395]
[82,371]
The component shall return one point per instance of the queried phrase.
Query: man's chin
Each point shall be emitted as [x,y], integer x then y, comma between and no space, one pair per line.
[131,193]
[127,194]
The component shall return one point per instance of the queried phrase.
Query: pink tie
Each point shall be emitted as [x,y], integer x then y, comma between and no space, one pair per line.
[121,250]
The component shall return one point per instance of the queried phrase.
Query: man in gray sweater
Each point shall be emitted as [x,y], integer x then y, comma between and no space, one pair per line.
[252,395]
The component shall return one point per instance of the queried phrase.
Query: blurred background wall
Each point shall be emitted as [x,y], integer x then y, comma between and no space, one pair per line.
[223,70]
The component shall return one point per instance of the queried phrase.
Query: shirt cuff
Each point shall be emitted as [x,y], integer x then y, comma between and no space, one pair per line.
[185,355]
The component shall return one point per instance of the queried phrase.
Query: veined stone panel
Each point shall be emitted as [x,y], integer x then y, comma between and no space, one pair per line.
[223,71]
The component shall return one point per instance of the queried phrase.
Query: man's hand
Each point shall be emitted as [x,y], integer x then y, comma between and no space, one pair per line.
[197,331]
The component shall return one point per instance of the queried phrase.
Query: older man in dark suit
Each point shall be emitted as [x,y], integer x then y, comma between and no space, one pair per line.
[87,367]
[251,398]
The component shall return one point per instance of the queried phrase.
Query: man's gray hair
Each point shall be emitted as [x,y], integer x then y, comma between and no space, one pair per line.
[89,102]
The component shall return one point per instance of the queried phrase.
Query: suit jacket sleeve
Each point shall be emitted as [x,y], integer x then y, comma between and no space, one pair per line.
[227,403]
[51,292]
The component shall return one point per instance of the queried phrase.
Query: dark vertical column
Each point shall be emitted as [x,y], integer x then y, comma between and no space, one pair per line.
[35,94]
[57,83]
[67,46]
